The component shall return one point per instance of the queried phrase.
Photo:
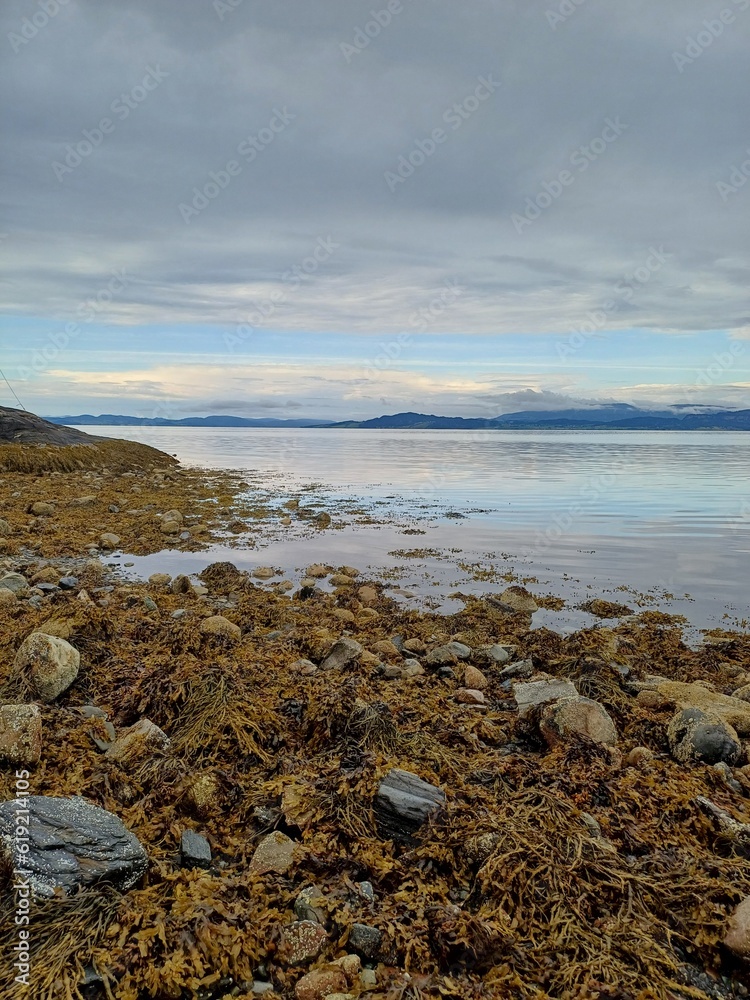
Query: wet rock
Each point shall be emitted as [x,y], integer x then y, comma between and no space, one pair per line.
[743,693]
[72,844]
[48,574]
[459,649]
[366,891]
[15,583]
[341,580]
[20,734]
[317,571]
[529,694]
[697,737]
[302,942]
[523,668]
[275,853]
[138,742]
[737,937]
[42,509]
[202,795]
[561,720]
[220,626]
[467,696]
[321,983]
[415,646]
[50,663]
[344,652]
[404,802]
[195,850]
[109,540]
[386,648]
[639,756]
[518,599]
[365,940]
[733,711]
[264,573]
[474,678]
[480,847]
[653,701]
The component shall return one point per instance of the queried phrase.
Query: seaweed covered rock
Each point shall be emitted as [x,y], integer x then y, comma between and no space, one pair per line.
[344,652]
[49,663]
[697,737]
[321,983]
[68,844]
[138,742]
[405,802]
[518,599]
[218,625]
[571,717]
[20,734]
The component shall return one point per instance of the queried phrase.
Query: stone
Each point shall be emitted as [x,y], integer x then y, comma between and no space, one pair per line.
[467,696]
[42,509]
[7,596]
[68,582]
[733,711]
[170,527]
[203,795]
[460,650]
[743,693]
[344,615]
[365,940]
[737,937]
[304,667]
[561,720]
[317,571]
[15,583]
[344,652]
[494,653]
[48,574]
[137,742]
[404,802]
[349,570]
[320,984]
[50,663]
[86,501]
[160,579]
[173,515]
[264,573]
[415,646]
[653,701]
[275,853]
[474,678]
[5,528]
[522,668]
[302,942]
[413,668]
[341,580]
[367,595]
[480,847]
[220,626]
[20,734]
[307,906]
[109,540]
[72,844]
[181,584]
[386,648]
[392,672]
[195,850]
[529,694]
[519,599]
[639,756]
[443,656]
[697,737]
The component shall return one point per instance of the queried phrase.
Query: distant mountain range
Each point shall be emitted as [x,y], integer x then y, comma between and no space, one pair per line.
[616,416]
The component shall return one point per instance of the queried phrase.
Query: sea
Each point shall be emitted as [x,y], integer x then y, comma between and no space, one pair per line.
[655,520]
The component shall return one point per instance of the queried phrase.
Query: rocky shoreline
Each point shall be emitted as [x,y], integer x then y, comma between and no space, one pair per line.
[236,789]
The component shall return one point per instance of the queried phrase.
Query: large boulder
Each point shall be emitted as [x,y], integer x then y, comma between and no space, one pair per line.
[733,711]
[571,717]
[68,844]
[50,663]
[697,737]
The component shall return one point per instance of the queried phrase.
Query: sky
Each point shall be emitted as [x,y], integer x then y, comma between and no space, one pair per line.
[334,208]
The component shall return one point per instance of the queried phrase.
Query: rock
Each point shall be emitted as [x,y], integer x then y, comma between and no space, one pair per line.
[701,737]
[523,668]
[365,940]
[366,891]
[404,802]
[519,599]
[86,501]
[51,664]
[170,527]
[577,717]
[109,540]
[203,795]
[72,844]
[415,646]
[7,596]
[48,574]
[733,711]
[68,582]
[198,589]
[743,693]
[392,672]
[460,650]
[321,983]
[42,509]
[386,648]
[344,652]
[737,937]
[480,847]
[20,734]
[413,668]
[264,573]
[494,653]
[639,756]
[160,579]
[341,580]
[344,615]
[653,701]
[15,583]
[5,528]
[304,667]
[532,693]
[317,571]
[275,853]
[137,742]
[443,656]
[221,626]
[475,679]
[195,850]
[466,696]
[367,595]
[173,515]
[307,906]
[181,584]
[302,942]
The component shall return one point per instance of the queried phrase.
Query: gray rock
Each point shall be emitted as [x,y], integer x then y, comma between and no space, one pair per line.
[46,588]
[532,693]
[72,844]
[365,940]
[69,582]
[523,668]
[307,905]
[366,891]
[567,718]
[404,802]
[195,850]
[15,583]
[461,651]
[496,653]
[344,652]
[697,737]
[443,656]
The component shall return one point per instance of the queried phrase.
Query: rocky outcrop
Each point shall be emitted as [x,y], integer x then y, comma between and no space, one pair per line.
[21,427]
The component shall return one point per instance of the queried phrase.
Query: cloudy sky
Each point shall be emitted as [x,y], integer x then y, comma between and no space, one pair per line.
[331,208]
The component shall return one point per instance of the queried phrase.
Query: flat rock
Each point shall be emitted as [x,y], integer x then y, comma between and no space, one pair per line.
[529,694]
[569,717]
[698,737]
[20,734]
[344,652]
[219,625]
[469,696]
[404,802]
[494,653]
[42,509]
[72,844]
[50,663]
[733,711]
[275,853]
[160,579]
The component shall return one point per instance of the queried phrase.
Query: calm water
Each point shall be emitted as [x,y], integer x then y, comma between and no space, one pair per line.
[654,511]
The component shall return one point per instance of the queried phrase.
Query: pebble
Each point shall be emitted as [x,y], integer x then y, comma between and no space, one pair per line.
[440,657]
[341,580]
[474,678]
[639,756]
[181,584]
[138,742]
[160,579]
[367,595]
[307,905]
[737,937]
[5,528]
[317,571]
[519,599]
[264,573]
[320,983]
[459,650]
[495,653]
[15,583]
[467,696]
[179,613]
[302,942]
[42,509]
[195,850]
[365,940]
[109,540]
